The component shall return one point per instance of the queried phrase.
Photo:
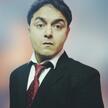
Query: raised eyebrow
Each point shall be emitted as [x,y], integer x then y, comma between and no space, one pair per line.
[58,20]
[40,18]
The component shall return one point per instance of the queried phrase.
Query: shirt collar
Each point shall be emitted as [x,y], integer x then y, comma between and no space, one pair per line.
[53,60]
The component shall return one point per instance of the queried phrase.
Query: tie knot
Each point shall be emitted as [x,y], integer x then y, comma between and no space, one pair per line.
[40,67]
[48,64]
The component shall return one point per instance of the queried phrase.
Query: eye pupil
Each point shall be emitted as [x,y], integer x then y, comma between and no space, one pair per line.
[40,25]
[58,26]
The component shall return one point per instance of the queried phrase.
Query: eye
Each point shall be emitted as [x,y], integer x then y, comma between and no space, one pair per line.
[39,25]
[58,26]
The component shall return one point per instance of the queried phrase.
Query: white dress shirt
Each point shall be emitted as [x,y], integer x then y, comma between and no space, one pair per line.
[44,72]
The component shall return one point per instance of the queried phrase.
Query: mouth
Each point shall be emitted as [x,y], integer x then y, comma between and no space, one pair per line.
[47,43]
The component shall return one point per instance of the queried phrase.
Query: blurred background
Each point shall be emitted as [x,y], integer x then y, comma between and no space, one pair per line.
[87,41]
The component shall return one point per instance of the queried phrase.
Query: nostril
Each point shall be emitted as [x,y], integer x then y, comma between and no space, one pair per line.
[45,35]
[48,36]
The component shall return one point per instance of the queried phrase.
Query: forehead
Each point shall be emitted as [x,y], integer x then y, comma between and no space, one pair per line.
[48,12]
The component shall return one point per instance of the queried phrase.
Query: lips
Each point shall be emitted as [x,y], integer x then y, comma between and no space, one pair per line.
[48,43]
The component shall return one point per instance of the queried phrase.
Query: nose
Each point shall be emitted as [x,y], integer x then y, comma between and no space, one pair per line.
[48,32]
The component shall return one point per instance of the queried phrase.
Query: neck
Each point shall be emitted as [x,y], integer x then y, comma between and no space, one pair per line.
[41,58]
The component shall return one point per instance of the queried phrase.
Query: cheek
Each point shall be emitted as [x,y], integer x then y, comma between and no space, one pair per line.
[37,33]
[60,38]
[36,36]
[34,40]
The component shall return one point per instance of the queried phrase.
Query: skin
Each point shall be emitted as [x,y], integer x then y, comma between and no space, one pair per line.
[48,32]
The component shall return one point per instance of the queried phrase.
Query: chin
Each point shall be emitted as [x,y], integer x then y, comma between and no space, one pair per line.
[48,54]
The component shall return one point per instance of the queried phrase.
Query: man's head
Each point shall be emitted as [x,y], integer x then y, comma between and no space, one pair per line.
[48,30]
[58,4]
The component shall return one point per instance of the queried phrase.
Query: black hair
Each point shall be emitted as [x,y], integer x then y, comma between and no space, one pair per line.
[58,4]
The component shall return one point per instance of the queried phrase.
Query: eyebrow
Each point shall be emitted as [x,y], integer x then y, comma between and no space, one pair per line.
[54,22]
[40,18]
[58,20]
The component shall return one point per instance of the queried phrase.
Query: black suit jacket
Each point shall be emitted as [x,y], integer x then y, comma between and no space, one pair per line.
[71,85]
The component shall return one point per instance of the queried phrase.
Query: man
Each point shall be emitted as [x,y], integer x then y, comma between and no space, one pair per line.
[65,83]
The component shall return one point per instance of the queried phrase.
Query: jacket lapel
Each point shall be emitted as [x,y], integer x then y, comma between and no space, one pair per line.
[24,76]
[23,79]
[54,74]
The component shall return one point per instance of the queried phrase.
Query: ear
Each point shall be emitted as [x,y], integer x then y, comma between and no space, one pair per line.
[68,30]
[28,30]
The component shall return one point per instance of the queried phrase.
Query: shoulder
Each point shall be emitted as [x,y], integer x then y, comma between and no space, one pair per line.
[78,66]
[81,68]
[75,67]
[19,70]
[80,73]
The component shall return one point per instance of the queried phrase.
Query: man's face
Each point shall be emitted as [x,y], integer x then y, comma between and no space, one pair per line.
[48,31]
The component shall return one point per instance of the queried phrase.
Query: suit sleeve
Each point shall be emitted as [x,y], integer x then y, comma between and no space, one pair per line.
[88,95]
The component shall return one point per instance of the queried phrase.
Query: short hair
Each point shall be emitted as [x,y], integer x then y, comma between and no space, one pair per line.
[58,4]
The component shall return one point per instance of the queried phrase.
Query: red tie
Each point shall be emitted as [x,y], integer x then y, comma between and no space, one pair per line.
[32,91]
